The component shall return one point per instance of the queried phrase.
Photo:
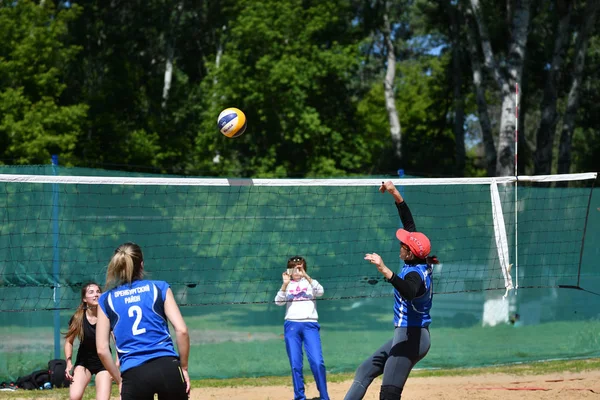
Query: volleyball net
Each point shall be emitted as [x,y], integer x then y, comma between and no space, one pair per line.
[226,241]
[222,244]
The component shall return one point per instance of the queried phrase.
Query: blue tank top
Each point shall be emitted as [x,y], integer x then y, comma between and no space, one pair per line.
[414,313]
[138,321]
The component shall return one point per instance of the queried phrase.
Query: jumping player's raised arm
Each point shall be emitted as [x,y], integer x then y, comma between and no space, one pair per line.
[412,284]
[403,211]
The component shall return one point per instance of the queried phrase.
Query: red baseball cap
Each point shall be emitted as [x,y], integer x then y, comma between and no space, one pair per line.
[417,242]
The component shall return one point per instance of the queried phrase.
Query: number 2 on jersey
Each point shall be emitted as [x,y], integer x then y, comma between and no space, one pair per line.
[138,317]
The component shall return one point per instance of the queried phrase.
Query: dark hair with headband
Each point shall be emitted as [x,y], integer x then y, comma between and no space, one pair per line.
[295,261]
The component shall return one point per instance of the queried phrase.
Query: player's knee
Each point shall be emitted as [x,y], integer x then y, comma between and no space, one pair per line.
[390,392]
[297,369]
[76,392]
[365,371]
[317,362]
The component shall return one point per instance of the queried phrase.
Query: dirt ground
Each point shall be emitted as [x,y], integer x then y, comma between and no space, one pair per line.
[584,385]
[562,386]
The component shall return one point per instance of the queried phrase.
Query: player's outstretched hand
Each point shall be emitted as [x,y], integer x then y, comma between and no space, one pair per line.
[387,187]
[286,277]
[391,189]
[374,258]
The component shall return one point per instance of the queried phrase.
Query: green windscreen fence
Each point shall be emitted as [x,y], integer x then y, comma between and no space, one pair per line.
[222,245]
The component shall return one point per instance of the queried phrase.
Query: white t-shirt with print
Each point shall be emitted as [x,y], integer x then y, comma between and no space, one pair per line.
[300,300]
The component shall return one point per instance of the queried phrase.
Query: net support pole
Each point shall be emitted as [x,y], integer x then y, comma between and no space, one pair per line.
[401,175]
[516,187]
[55,259]
[401,190]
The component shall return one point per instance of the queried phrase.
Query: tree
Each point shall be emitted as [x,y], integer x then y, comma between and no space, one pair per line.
[457,87]
[489,148]
[445,26]
[506,78]
[388,83]
[35,120]
[289,66]
[568,126]
[547,127]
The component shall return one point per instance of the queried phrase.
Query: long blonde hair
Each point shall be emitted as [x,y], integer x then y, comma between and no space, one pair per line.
[76,326]
[125,266]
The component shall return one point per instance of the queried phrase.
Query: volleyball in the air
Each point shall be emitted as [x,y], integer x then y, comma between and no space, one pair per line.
[232,122]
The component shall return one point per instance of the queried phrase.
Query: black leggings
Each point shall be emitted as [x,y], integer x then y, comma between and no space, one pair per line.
[160,376]
[395,359]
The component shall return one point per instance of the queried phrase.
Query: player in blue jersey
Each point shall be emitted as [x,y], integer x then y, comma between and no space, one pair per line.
[137,311]
[412,302]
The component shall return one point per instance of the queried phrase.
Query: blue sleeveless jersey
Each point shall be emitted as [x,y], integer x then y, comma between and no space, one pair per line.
[414,313]
[138,321]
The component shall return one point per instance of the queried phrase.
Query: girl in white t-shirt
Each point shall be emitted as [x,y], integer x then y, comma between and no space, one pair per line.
[299,292]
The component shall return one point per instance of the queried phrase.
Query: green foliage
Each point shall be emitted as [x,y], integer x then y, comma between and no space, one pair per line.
[88,83]
[586,138]
[423,102]
[288,65]
[35,121]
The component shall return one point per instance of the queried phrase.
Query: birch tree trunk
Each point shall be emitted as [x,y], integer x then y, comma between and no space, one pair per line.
[388,86]
[482,110]
[506,81]
[568,125]
[547,129]
[168,73]
[170,43]
[218,56]
[516,58]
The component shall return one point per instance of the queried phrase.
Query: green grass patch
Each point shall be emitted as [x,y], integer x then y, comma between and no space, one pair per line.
[344,350]
[237,351]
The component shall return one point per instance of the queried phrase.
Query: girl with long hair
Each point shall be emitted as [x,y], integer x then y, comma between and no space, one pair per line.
[83,327]
[138,311]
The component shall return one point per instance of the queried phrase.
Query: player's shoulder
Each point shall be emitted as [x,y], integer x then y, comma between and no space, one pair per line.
[420,269]
[158,283]
[103,297]
[161,285]
[411,268]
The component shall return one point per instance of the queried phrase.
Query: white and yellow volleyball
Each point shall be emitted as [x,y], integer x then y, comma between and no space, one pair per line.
[232,122]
